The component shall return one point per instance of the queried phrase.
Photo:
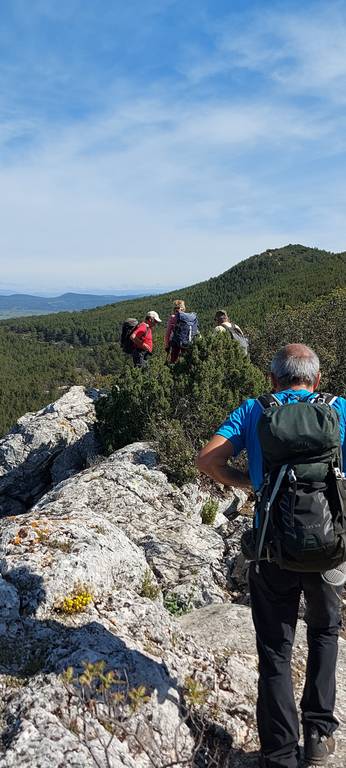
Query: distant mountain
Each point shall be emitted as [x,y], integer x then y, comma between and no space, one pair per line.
[19,304]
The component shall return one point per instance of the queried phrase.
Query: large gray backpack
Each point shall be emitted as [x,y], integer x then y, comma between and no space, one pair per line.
[242,340]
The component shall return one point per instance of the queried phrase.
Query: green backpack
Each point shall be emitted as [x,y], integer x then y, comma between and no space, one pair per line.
[300,513]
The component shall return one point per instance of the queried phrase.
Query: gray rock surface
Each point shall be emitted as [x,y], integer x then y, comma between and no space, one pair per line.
[227,631]
[89,528]
[46,447]
[129,550]
[100,533]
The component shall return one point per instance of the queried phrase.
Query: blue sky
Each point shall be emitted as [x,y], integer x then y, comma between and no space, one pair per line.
[155,143]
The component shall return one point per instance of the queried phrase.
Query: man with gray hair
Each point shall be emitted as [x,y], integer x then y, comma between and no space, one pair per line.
[275,592]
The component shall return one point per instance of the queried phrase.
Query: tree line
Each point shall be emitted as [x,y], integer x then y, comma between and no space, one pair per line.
[288,294]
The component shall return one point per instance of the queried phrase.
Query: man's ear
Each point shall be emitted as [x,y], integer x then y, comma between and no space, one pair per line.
[317,381]
[275,383]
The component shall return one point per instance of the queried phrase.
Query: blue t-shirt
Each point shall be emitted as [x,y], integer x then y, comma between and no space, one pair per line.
[240,428]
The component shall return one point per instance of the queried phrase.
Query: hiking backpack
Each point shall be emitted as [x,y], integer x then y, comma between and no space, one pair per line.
[300,511]
[185,329]
[127,329]
[243,341]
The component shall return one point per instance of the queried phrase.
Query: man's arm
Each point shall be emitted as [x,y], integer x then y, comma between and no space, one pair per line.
[212,460]
[138,341]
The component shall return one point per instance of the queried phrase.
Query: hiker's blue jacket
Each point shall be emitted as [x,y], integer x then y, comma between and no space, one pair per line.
[240,428]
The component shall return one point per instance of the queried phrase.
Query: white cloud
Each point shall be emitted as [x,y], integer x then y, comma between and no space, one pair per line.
[303,51]
[141,194]
[172,187]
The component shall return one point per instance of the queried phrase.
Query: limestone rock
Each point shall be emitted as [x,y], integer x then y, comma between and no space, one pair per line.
[46,447]
[79,531]
[227,631]
[9,609]
[110,535]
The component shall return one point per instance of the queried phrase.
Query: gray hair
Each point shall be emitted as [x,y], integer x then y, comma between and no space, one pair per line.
[295,364]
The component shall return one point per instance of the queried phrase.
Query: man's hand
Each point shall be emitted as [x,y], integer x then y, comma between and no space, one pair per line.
[212,460]
[139,343]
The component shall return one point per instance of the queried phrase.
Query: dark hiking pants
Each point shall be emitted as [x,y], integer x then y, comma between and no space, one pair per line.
[140,358]
[275,596]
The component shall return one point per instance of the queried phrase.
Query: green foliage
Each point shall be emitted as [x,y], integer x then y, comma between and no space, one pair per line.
[212,379]
[175,451]
[176,605]
[195,694]
[180,407]
[273,295]
[320,324]
[31,375]
[209,511]
[138,398]
[149,588]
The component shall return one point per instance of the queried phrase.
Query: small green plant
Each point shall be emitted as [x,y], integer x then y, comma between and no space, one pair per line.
[194,692]
[138,697]
[96,685]
[149,588]
[76,602]
[209,511]
[62,546]
[176,605]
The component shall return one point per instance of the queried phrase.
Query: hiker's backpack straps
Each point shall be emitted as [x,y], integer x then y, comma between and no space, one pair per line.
[268,400]
[328,399]
[324,397]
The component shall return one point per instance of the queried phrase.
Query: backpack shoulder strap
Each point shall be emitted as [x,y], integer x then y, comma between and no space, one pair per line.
[324,397]
[268,401]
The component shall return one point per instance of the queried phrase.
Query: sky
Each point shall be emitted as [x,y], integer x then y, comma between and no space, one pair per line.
[155,143]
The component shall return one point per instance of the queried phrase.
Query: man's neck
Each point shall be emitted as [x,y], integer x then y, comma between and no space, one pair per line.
[296,388]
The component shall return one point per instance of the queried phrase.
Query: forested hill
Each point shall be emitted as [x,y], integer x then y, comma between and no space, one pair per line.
[251,289]
[40,354]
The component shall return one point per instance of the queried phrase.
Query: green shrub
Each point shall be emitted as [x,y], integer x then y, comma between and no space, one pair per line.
[149,588]
[209,511]
[176,605]
[137,398]
[175,451]
[178,407]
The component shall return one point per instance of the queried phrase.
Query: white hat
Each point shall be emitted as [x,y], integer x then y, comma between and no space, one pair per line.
[154,316]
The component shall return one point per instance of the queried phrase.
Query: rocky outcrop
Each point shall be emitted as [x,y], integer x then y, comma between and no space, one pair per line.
[46,447]
[120,640]
[232,643]
[105,526]
[110,535]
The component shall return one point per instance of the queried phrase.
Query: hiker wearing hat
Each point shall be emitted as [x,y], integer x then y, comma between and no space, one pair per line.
[224,325]
[142,339]
[295,440]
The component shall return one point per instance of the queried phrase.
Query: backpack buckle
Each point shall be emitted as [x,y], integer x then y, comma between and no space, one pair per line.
[338,474]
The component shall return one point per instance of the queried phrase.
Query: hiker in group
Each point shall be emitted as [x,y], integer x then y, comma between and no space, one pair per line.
[224,325]
[181,329]
[295,439]
[142,339]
